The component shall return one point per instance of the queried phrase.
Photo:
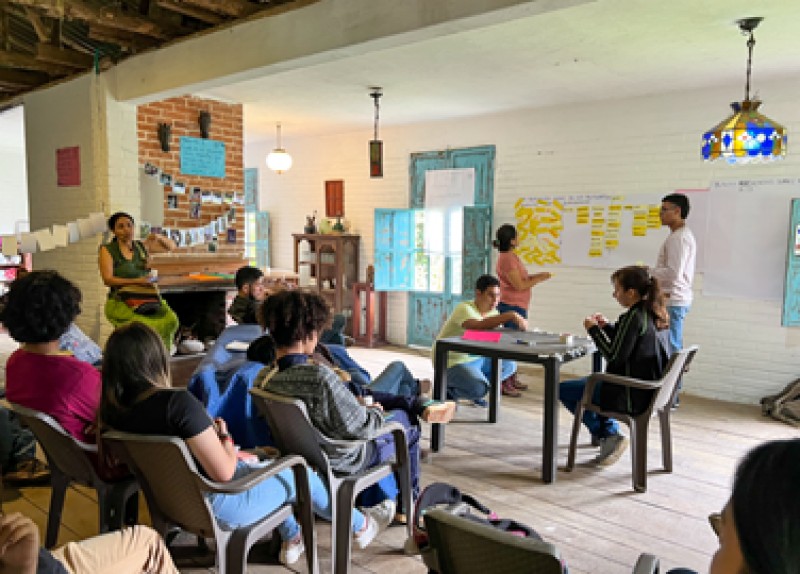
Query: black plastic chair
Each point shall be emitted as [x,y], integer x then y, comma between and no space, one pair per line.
[69,461]
[294,433]
[458,545]
[176,496]
[665,389]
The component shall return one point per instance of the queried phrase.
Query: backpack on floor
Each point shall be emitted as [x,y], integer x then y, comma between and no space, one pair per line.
[785,406]
[448,497]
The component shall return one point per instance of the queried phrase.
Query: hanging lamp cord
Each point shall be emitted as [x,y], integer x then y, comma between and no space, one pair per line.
[376,95]
[751,42]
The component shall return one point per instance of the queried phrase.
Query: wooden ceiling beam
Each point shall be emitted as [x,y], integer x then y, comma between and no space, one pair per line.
[41,29]
[127,40]
[17,79]
[14,60]
[231,8]
[191,11]
[51,8]
[63,57]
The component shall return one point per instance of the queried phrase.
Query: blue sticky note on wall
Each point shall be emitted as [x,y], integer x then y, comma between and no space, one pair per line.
[202,157]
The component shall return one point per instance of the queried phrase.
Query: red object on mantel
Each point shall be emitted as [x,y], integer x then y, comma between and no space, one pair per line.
[369,338]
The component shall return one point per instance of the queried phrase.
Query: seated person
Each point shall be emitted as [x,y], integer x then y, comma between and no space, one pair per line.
[125,262]
[294,321]
[632,348]
[263,351]
[468,375]
[137,399]
[18,461]
[250,294]
[758,530]
[129,551]
[40,308]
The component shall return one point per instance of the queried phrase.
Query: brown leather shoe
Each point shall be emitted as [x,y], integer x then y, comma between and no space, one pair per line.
[509,390]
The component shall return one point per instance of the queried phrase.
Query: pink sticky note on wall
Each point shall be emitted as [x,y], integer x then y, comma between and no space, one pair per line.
[484,336]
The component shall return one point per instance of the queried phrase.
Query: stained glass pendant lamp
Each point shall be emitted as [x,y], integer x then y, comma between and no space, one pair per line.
[747,136]
[278,160]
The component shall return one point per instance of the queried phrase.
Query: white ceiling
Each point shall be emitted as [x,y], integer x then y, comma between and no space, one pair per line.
[597,51]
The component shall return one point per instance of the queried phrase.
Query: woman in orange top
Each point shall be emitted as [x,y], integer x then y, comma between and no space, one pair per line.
[515,287]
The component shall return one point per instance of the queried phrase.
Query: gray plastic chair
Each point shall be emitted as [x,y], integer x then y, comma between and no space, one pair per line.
[666,388]
[294,433]
[461,546]
[69,462]
[175,492]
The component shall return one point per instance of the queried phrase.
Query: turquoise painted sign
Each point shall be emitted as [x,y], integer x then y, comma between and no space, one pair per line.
[202,157]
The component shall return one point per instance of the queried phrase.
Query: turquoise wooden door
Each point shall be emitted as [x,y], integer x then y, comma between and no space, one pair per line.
[791,291]
[443,279]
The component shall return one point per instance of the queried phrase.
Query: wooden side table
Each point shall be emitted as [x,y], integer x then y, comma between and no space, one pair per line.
[370,338]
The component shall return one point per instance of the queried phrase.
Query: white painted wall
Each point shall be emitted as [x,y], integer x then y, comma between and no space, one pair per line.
[629,146]
[13,177]
[80,113]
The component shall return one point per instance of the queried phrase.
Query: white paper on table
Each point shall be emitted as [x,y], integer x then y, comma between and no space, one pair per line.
[27,243]
[60,235]
[45,239]
[85,227]
[9,245]
[98,220]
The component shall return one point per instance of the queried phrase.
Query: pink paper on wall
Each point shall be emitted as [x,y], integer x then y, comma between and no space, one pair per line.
[483,336]
[68,166]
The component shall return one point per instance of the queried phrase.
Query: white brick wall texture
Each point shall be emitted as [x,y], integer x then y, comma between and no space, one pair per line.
[628,146]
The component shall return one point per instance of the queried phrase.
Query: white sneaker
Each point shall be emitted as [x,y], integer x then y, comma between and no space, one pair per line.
[611,448]
[291,550]
[368,533]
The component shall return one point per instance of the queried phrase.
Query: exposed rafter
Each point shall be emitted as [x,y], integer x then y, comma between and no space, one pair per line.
[16,79]
[232,8]
[192,11]
[21,61]
[64,57]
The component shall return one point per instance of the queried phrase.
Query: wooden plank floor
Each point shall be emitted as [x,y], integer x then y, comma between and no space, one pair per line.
[593,516]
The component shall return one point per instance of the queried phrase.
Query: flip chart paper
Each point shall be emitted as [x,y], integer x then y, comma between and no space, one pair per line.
[27,243]
[73,231]
[9,245]
[60,235]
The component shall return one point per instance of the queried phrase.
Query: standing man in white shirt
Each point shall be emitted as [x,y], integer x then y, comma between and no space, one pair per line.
[675,264]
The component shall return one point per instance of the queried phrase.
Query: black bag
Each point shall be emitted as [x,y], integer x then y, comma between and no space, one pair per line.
[143,299]
[448,497]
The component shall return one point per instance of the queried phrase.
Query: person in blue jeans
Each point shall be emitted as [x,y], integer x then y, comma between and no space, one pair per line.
[294,321]
[136,398]
[395,379]
[632,347]
[468,375]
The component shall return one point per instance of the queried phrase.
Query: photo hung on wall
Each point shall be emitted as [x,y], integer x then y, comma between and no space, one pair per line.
[231,235]
[172,201]
[231,214]
[165,179]
[150,169]
[222,223]
[157,230]
[175,235]
[228,198]
[207,196]
[179,187]
[217,198]
[187,237]
[197,194]
[194,210]
[197,235]
[144,229]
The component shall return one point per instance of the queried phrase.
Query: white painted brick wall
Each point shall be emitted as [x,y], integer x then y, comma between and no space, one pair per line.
[643,145]
[79,113]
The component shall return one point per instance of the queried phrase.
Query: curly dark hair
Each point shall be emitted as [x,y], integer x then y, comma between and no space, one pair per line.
[112,221]
[292,316]
[40,307]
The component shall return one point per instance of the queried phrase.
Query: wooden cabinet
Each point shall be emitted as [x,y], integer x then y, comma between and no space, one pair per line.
[331,264]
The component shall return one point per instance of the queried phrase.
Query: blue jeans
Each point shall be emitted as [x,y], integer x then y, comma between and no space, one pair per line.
[677,313]
[503,307]
[470,380]
[384,450]
[396,379]
[236,510]
[570,394]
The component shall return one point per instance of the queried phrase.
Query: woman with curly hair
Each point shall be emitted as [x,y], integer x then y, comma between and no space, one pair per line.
[125,262]
[39,309]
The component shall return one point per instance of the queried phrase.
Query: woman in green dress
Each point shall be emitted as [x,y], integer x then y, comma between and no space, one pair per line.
[124,262]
